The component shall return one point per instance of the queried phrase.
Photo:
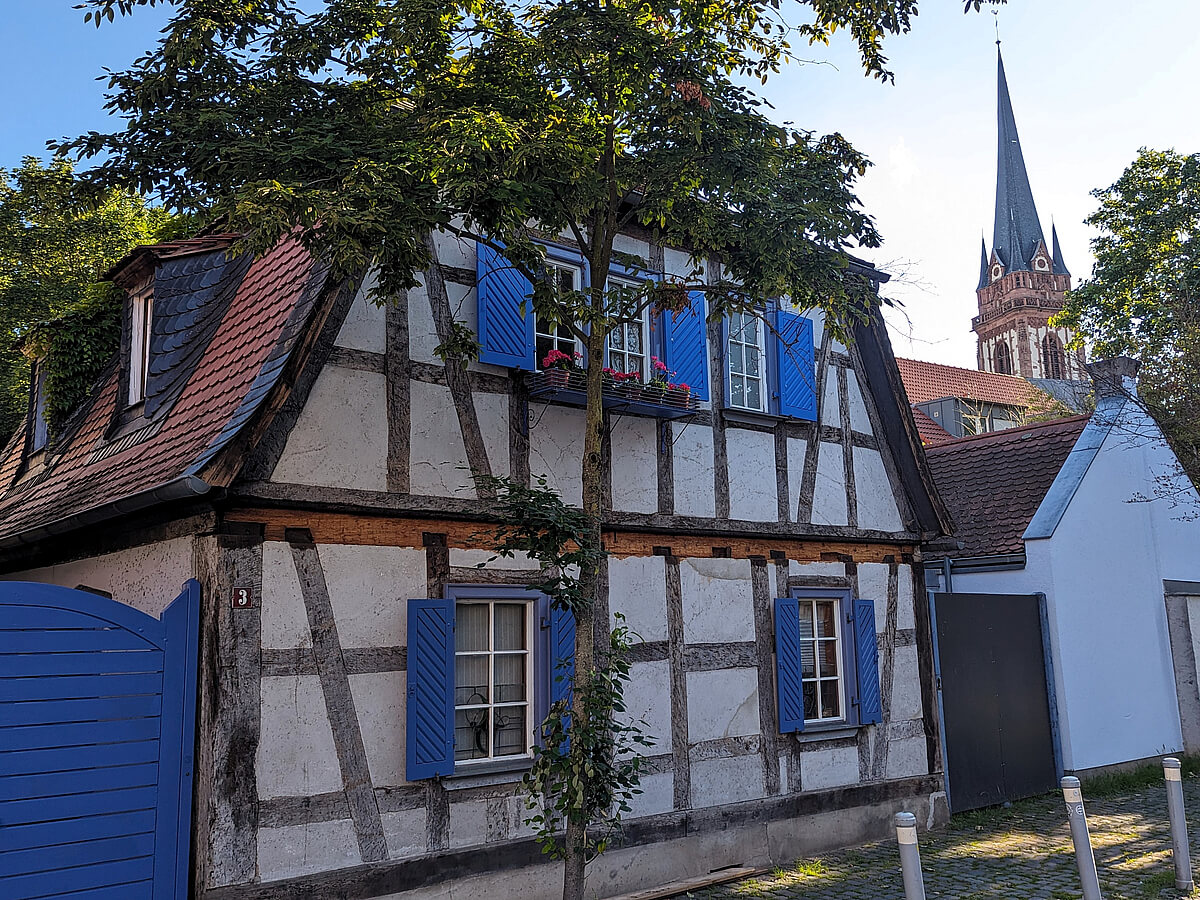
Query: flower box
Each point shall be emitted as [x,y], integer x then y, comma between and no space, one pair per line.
[569,387]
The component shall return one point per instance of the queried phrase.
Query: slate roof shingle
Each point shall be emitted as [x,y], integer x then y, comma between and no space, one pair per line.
[250,340]
[993,483]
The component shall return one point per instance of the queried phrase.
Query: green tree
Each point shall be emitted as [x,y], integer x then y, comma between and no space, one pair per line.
[371,125]
[1143,297]
[55,243]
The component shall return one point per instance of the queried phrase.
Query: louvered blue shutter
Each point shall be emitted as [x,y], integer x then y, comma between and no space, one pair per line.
[505,316]
[562,653]
[795,365]
[685,345]
[870,706]
[787,665]
[429,739]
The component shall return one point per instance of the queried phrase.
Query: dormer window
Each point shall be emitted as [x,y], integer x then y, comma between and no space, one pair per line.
[140,321]
[1040,264]
[41,428]
[997,271]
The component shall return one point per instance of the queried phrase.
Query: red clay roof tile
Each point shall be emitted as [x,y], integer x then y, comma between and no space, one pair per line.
[925,381]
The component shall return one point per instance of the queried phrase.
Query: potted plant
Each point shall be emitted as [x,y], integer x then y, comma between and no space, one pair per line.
[558,366]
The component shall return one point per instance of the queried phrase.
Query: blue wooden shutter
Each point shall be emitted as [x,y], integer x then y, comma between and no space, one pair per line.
[505,317]
[562,653]
[870,706]
[685,345]
[795,366]
[429,739]
[787,665]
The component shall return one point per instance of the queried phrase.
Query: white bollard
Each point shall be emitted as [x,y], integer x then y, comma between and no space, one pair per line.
[1084,857]
[910,856]
[1179,836]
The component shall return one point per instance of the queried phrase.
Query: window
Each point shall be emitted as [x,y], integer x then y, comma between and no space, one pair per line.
[547,335]
[1052,356]
[492,675]
[1003,359]
[41,428]
[747,387]
[827,667]
[974,422]
[484,664]
[821,659]
[139,342]
[628,341]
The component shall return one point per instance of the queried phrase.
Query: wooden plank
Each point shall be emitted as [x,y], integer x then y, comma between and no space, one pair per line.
[46,617]
[48,860]
[91,756]
[98,827]
[70,640]
[140,890]
[77,734]
[54,712]
[675,888]
[26,812]
[78,687]
[82,878]
[101,778]
[84,663]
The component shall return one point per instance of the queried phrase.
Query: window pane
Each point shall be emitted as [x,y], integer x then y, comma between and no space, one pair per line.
[752,361]
[737,390]
[470,734]
[810,700]
[735,358]
[829,700]
[470,680]
[808,660]
[510,677]
[828,657]
[753,393]
[510,626]
[471,627]
[510,730]
[633,339]
[826,626]
[806,619]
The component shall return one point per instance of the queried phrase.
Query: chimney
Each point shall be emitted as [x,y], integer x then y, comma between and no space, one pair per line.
[1116,377]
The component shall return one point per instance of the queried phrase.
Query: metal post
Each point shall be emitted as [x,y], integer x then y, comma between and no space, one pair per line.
[1084,857]
[1179,836]
[910,856]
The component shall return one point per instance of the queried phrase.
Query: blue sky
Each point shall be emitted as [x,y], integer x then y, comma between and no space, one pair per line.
[1090,83]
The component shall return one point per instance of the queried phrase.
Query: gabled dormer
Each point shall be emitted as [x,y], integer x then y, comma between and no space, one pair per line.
[1041,261]
[996,267]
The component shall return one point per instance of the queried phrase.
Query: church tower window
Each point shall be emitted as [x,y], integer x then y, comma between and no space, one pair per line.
[1002,359]
[1052,357]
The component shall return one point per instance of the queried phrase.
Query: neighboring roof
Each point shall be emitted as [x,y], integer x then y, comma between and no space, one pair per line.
[1070,475]
[90,475]
[925,381]
[1074,395]
[931,432]
[994,483]
[1017,229]
[139,256]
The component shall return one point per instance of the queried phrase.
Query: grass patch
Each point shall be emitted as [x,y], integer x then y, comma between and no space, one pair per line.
[811,868]
[1157,883]
[1135,780]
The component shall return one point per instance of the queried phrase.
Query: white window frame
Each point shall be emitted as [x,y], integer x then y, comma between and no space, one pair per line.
[644,323]
[141,322]
[528,703]
[760,346]
[558,341]
[840,648]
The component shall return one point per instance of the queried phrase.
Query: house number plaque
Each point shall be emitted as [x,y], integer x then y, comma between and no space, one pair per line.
[242,598]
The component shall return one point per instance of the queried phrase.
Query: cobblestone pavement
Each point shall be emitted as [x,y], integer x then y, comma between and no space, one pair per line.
[1020,853]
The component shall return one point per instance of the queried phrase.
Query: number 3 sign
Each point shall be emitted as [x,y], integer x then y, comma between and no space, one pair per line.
[242,599]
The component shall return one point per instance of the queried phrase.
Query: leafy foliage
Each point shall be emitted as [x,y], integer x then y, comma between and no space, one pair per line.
[55,243]
[587,774]
[1143,298]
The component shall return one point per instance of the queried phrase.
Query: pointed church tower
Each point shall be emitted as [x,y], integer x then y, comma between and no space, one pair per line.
[1022,281]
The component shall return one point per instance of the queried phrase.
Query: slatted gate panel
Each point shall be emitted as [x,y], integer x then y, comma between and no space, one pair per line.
[97,709]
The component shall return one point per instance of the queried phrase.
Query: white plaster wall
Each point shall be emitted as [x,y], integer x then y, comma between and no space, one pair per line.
[147,578]
[422,333]
[693,461]
[859,420]
[556,449]
[379,702]
[829,496]
[637,589]
[296,755]
[438,457]
[283,617]
[730,780]
[877,507]
[718,605]
[797,450]
[635,465]
[303,849]
[752,491]
[828,767]
[830,412]
[722,703]
[340,438]
[369,589]
[363,328]
[648,701]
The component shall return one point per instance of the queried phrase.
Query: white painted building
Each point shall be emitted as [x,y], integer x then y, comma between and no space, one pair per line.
[295,445]
[1096,514]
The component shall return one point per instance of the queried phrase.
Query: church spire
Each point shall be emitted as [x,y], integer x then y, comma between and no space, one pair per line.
[1060,267]
[1018,229]
[983,265]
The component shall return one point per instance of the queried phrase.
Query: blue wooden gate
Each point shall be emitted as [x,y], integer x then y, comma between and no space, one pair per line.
[97,723]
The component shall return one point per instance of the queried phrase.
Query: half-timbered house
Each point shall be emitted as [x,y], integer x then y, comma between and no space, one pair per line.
[370,678]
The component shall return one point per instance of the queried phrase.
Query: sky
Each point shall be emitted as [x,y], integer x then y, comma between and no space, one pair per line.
[1091,82]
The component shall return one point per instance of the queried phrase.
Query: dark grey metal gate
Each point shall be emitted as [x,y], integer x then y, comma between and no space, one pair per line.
[996,706]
